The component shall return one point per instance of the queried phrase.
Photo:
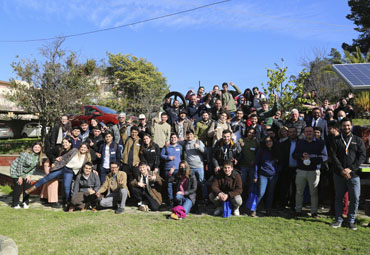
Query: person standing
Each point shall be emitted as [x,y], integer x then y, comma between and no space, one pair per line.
[228,97]
[347,154]
[309,154]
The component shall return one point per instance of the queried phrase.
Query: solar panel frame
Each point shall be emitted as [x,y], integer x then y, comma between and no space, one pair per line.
[357,76]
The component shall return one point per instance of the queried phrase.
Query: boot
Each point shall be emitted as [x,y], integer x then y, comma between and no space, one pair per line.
[30,190]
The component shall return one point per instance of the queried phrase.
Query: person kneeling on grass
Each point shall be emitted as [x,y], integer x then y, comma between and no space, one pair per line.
[227,185]
[116,187]
[185,187]
[145,188]
[21,170]
[84,190]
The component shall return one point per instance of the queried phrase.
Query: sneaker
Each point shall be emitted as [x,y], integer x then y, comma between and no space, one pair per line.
[83,209]
[94,209]
[298,214]
[253,214]
[336,224]
[17,207]
[55,205]
[218,211]
[25,206]
[314,215]
[352,226]
[236,212]
[119,210]
[142,208]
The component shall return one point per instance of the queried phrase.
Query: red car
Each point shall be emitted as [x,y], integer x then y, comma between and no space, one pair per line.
[103,114]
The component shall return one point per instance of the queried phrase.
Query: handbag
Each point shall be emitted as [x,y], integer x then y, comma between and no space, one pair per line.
[252,198]
[226,209]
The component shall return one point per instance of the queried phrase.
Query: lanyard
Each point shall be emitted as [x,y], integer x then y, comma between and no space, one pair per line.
[346,144]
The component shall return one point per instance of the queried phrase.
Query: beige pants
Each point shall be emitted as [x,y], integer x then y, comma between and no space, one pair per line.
[312,178]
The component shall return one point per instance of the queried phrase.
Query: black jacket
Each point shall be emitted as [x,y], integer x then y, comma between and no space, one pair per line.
[190,189]
[151,155]
[221,153]
[355,157]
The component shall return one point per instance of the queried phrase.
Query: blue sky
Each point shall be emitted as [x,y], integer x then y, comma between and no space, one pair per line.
[233,41]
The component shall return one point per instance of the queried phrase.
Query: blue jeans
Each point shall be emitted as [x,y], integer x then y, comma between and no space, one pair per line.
[266,184]
[170,184]
[247,174]
[184,201]
[199,173]
[67,180]
[353,186]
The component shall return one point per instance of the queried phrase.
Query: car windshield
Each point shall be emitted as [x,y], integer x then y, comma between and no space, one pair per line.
[106,110]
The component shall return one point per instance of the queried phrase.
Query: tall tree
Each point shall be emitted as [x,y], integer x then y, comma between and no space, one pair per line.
[57,84]
[136,83]
[360,15]
[322,78]
[289,90]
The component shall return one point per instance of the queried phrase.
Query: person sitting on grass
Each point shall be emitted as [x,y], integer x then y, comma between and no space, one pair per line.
[227,185]
[21,170]
[185,186]
[145,188]
[84,190]
[116,187]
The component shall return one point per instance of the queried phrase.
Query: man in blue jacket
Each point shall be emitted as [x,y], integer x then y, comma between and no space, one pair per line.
[309,154]
[171,154]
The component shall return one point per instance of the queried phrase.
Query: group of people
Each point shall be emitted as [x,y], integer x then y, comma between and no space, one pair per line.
[224,146]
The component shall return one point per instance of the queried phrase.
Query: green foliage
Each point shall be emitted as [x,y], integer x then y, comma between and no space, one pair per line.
[360,15]
[5,189]
[14,146]
[290,90]
[137,84]
[361,122]
[323,79]
[357,56]
[57,84]
[362,101]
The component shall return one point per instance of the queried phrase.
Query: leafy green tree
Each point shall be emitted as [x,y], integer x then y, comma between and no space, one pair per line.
[360,15]
[55,85]
[289,90]
[357,56]
[322,77]
[137,85]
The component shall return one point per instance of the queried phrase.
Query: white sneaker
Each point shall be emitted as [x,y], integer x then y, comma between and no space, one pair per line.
[17,207]
[218,211]
[25,206]
[140,203]
[236,212]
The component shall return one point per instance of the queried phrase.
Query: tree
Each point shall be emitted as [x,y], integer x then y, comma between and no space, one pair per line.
[322,78]
[290,90]
[136,83]
[357,56]
[53,86]
[360,15]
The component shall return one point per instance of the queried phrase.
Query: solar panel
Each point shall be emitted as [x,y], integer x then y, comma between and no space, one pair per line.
[357,76]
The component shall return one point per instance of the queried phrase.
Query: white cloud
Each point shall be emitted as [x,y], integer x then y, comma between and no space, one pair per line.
[302,19]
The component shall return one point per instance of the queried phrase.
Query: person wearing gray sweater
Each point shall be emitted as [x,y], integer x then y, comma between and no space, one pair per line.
[194,150]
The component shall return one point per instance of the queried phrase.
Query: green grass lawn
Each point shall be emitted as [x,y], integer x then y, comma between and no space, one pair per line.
[40,231]
[359,122]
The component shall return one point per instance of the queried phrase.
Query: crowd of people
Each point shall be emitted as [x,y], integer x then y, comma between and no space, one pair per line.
[224,146]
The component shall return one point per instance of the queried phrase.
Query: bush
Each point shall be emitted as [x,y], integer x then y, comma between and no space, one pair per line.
[12,146]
